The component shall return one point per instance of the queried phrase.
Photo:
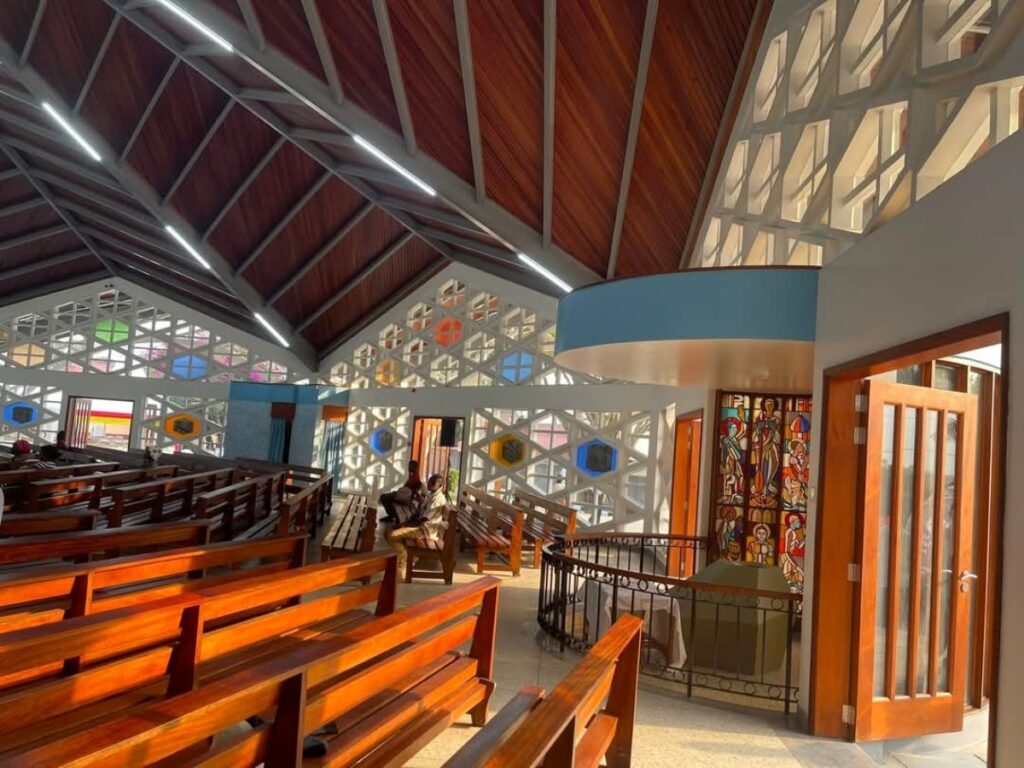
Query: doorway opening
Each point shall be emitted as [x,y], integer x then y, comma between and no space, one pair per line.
[99,423]
[437,446]
[908,543]
[685,485]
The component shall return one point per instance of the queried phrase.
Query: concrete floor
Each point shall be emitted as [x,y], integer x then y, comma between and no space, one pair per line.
[671,730]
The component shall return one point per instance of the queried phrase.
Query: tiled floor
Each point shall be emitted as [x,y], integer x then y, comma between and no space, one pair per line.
[670,729]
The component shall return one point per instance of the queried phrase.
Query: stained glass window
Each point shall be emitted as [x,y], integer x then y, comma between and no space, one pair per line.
[761,476]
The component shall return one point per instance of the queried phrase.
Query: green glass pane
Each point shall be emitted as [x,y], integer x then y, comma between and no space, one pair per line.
[112,331]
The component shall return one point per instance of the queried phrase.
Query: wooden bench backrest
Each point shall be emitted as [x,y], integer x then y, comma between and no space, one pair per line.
[27,598]
[498,513]
[35,523]
[152,495]
[135,646]
[16,482]
[556,518]
[588,716]
[301,510]
[104,543]
[254,499]
[309,686]
[60,492]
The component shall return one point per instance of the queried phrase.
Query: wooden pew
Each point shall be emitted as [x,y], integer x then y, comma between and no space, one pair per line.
[297,477]
[301,507]
[254,503]
[544,521]
[35,523]
[353,527]
[426,549]
[61,678]
[570,726]
[389,686]
[490,525]
[86,490]
[157,500]
[15,482]
[83,546]
[53,593]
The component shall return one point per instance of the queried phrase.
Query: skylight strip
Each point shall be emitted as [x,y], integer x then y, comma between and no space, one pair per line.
[263,321]
[197,25]
[70,130]
[392,164]
[545,272]
[188,247]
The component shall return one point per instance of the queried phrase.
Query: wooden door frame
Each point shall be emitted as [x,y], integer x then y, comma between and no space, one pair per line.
[691,520]
[837,530]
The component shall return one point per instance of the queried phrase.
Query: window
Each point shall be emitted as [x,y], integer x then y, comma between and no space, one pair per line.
[769,80]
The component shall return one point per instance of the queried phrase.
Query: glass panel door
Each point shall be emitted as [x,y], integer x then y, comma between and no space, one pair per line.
[917,504]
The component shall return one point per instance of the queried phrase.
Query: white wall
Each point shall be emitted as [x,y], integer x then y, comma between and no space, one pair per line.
[953,258]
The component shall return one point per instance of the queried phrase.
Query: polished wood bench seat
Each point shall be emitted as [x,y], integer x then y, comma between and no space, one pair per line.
[544,521]
[31,551]
[388,686]
[57,592]
[246,509]
[15,482]
[90,490]
[587,720]
[59,679]
[491,526]
[442,550]
[352,527]
[35,523]
[165,498]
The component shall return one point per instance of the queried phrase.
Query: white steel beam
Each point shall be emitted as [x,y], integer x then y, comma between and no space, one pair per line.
[97,62]
[15,208]
[136,186]
[43,289]
[469,96]
[252,22]
[394,64]
[323,49]
[639,89]
[285,220]
[194,157]
[37,19]
[550,50]
[461,195]
[356,279]
[237,194]
[31,237]
[323,251]
[44,263]
[144,117]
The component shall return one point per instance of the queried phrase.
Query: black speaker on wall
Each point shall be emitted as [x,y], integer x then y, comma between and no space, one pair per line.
[451,433]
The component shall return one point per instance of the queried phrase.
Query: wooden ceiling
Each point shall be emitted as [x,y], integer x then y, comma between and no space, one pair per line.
[576,131]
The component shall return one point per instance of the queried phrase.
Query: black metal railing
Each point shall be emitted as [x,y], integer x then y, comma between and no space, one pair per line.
[735,641]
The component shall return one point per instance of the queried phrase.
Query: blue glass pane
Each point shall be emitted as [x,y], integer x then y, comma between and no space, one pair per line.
[188,367]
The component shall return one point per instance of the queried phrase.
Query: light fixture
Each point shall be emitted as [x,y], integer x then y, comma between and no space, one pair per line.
[263,321]
[187,246]
[72,132]
[545,272]
[196,24]
[392,164]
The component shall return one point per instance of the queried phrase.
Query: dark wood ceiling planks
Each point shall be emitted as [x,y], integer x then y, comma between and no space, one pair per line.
[238,117]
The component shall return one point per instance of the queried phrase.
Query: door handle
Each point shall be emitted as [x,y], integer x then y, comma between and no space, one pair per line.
[967,575]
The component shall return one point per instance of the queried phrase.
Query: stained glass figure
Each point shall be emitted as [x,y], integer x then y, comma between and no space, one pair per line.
[729,532]
[765,454]
[791,554]
[761,479]
[760,545]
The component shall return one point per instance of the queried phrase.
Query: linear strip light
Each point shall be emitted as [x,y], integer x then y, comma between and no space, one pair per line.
[544,272]
[272,329]
[188,247]
[70,130]
[392,164]
[197,25]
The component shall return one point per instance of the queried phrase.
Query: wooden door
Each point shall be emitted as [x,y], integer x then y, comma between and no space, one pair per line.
[685,485]
[915,550]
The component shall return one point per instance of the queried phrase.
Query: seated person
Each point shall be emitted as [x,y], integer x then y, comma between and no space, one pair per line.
[427,521]
[25,459]
[62,442]
[399,503]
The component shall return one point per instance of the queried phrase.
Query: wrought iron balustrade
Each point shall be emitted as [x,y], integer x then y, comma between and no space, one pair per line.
[731,640]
